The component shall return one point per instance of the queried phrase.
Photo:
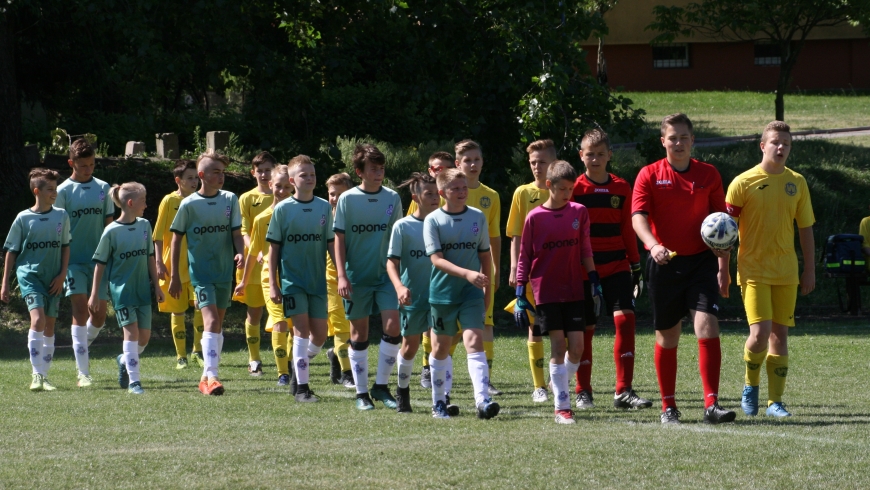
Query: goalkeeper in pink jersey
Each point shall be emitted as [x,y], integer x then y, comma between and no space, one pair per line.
[554,246]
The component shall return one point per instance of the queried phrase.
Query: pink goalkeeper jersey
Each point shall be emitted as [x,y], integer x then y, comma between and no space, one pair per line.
[553,243]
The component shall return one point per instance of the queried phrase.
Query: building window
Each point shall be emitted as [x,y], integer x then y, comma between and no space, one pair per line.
[671,56]
[768,54]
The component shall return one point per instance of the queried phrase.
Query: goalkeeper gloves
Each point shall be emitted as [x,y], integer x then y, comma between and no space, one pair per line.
[637,279]
[522,308]
[597,292]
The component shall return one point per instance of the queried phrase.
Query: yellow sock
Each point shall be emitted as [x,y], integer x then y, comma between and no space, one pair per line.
[536,363]
[754,360]
[179,335]
[777,370]
[198,328]
[252,334]
[487,348]
[427,349]
[279,347]
[341,345]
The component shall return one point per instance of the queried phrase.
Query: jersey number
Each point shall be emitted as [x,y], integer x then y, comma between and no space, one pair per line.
[71,283]
[203,297]
[123,314]
[289,302]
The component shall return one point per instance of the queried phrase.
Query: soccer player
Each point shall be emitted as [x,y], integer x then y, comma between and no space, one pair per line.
[767,200]
[410,271]
[299,232]
[211,220]
[258,257]
[671,199]
[337,325]
[457,243]
[125,255]
[187,181]
[469,159]
[364,217]
[555,246]
[614,246]
[526,198]
[252,203]
[37,249]
[86,199]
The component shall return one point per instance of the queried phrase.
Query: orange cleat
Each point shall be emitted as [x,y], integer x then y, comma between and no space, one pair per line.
[215,388]
[203,387]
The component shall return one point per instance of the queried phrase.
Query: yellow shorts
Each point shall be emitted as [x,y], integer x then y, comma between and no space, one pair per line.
[253,296]
[275,310]
[529,296]
[171,305]
[766,302]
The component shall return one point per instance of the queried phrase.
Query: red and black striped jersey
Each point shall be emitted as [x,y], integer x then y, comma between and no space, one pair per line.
[614,244]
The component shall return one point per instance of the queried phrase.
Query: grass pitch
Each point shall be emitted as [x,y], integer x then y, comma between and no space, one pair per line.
[257,436]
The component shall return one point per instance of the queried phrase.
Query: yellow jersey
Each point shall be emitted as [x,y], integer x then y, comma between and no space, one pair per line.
[767,205]
[259,245]
[526,198]
[165,214]
[487,200]
[251,204]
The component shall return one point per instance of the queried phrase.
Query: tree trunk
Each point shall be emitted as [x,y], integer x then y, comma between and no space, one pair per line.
[602,64]
[11,139]
[788,59]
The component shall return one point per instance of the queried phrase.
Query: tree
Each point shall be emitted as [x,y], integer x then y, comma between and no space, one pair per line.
[601,7]
[786,24]
[11,140]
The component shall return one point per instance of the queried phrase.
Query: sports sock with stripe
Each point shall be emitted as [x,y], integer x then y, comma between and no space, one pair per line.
[179,334]
[490,353]
[341,345]
[584,372]
[279,348]
[427,349]
[536,363]
[777,371]
[753,361]
[710,365]
[80,348]
[198,328]
[300,359]
[666,372]
[623,351]
[252,336]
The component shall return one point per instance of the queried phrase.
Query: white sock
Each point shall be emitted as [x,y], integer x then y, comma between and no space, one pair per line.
[220,339]
[211,353]
[313,350]
[141,348]
[571,368]
[34,347]
[448,375]
[47,353]
[93,331]
[300,359]
[359,366]
[131,359]
[438,368]
[80,348]
[406,367]
[559,379]
[387,354]
[479,372]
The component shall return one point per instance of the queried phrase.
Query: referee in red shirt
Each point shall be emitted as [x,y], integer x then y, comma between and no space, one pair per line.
[671,198]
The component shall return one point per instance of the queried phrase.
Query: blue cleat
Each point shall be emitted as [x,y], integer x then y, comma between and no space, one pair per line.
[123,377]
[136,388]
[487,409]
[777,410]
[439,411]
[284,380]
[749,402]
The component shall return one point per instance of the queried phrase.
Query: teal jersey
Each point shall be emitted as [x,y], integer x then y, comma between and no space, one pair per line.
[38,238]
[88,205]
[124,249]
[302,229]
[365,219]
[460,237]
[208,223]
[407,245]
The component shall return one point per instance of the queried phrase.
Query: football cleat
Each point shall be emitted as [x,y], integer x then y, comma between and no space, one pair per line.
[403,400]
[749,400]
[777,410]
[426,377]
[671,416]
[493,391]
[215,388]
[36,382]
[629,399]
[123,377]
[46,384]
[584,400]
[255,368]
[347,380]
[135,388]
[565,417]
[305,395]
[487,409]
[203,386]
[381,393]
[181,363]
[364,402]
[334,367]
[197,358]
[84,381]
[452,409]
[439,411]
[284,380]
[540,395]
[717,415]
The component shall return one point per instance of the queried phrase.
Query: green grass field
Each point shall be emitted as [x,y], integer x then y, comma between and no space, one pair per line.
[257,436]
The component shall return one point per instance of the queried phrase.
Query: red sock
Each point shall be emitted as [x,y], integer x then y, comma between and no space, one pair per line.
[666,371]
[710,364]
[623,351]
[584,372]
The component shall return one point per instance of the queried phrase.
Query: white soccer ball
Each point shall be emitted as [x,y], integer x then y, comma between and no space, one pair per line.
[719,231]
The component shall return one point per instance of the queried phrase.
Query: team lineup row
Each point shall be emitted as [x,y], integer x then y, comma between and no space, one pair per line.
[320,268]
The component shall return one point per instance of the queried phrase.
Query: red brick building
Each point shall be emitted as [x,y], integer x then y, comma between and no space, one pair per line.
[832,58]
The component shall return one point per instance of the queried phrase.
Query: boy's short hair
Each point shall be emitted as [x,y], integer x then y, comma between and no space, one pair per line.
[447,176]
[541,145]
[39,177]
[594,137]
[342,178]
[561,170]
[674,119]
[183,166]
[281,170]
[775,127]
[211,155]
[263,157]
[128,190]
[367,153]
[465,146]
[416,182]
[296,161]
[80,148]
[441,155]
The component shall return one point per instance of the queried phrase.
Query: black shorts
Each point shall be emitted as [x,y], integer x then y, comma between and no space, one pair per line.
[567,317]
[618,295]
[685,283]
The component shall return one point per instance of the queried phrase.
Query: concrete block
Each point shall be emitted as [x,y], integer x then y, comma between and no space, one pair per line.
[217,140]
[134,148]
[167,145]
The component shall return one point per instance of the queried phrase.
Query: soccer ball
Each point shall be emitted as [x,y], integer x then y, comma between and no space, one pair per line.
[719,231]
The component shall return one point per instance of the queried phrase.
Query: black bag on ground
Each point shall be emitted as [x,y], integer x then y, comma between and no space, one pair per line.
[843,255]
